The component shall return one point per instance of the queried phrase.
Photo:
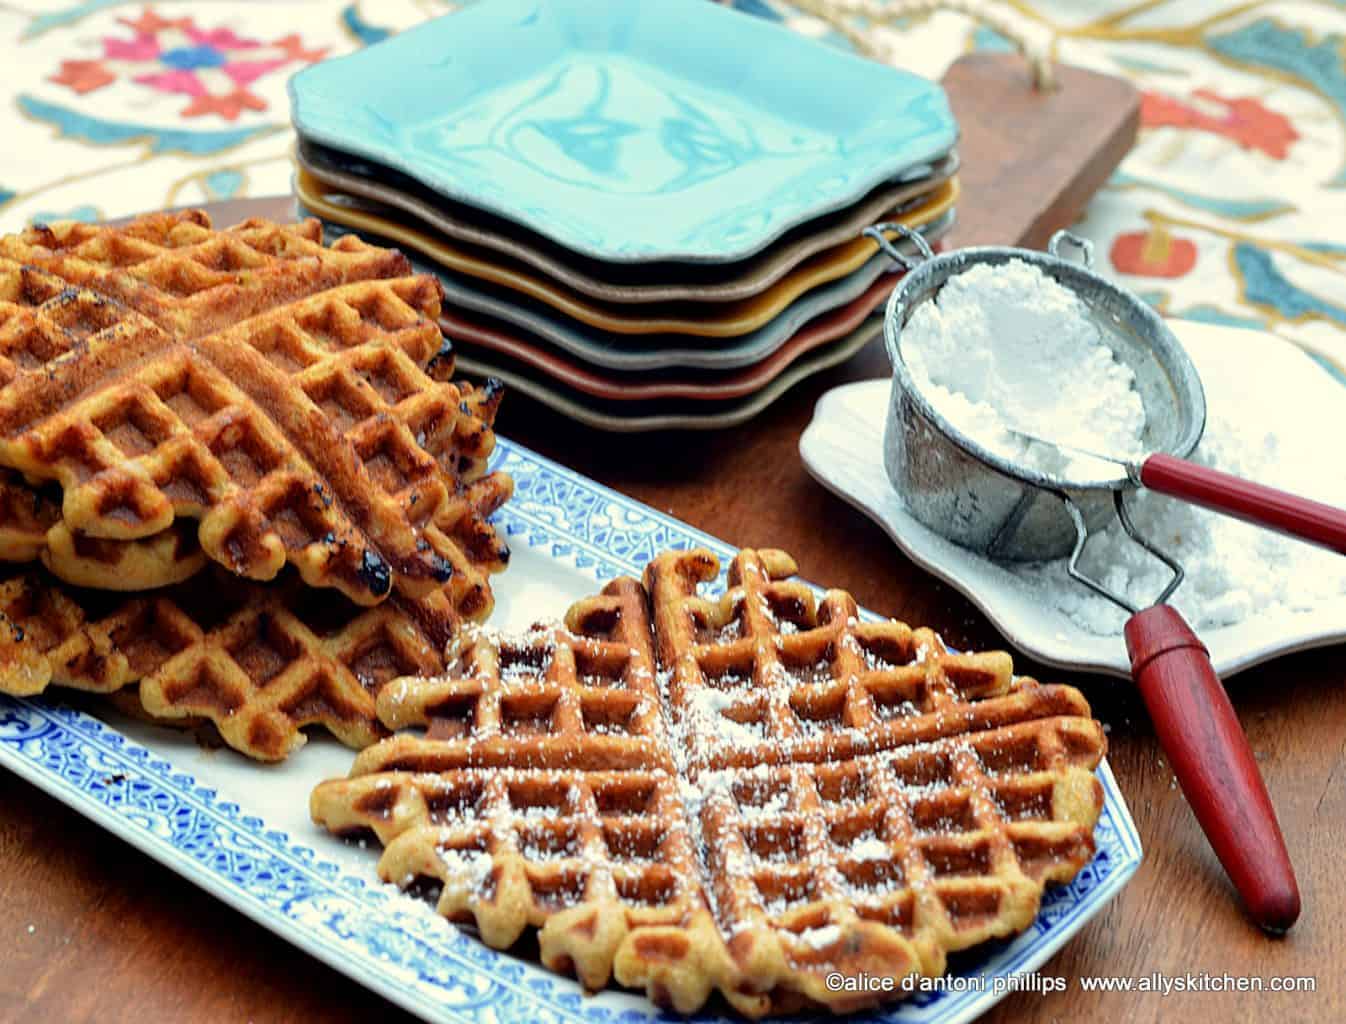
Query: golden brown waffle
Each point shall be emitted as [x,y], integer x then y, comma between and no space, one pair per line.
[127,566]
[761,674]
[31,528]
[26,514]
[191,279]
[582,693]
[811,795]
[270,387]
[261,661]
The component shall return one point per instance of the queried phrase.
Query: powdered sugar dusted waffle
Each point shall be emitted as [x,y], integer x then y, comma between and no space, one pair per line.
[578,695]
[772,792]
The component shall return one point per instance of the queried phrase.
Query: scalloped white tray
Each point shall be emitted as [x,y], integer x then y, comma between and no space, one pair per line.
[843,449]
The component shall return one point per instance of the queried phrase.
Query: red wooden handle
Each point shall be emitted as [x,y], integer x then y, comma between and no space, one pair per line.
[1200,733]
[1243,499]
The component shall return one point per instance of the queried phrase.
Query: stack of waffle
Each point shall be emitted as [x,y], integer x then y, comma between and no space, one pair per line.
[753,794]
[236,482]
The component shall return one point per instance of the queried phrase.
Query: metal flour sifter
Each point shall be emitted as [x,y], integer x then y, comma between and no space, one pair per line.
[1008,510]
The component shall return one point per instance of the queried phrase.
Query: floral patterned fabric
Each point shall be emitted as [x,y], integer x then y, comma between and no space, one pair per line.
[1231,208]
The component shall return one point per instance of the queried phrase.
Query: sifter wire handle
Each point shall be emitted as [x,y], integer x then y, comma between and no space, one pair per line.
[879,233]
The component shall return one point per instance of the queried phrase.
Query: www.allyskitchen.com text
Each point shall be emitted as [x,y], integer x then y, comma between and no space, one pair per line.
[1045,984]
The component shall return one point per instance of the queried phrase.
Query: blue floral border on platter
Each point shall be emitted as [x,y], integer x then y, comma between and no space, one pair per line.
[391,943]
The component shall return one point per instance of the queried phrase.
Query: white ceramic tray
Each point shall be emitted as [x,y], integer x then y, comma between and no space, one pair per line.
[843,449]
[242,832]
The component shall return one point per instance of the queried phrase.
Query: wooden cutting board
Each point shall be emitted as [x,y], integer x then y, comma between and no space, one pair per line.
[1032,160]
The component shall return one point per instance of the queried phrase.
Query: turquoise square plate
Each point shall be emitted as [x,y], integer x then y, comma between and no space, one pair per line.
[658,130]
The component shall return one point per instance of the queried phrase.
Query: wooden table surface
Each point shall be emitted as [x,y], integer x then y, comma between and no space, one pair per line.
[95,931]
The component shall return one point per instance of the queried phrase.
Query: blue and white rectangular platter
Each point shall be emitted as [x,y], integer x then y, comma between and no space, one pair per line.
[242,831]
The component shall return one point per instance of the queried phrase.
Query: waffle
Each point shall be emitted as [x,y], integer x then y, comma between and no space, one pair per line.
[261,661]
[26,514]
[264,660]
[187,277]
[581,693]
[799,794]
[31,528]
[365,371]
[252,379]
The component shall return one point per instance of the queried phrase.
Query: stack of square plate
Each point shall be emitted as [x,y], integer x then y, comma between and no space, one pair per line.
[646,215]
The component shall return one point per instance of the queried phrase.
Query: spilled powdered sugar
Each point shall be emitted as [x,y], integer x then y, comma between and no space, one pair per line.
[1266,424]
